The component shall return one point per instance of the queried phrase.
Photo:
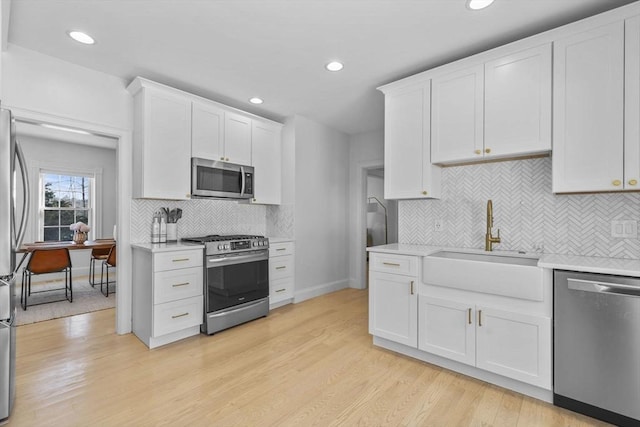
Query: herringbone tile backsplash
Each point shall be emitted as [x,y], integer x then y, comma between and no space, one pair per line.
[199,218]
[529,216]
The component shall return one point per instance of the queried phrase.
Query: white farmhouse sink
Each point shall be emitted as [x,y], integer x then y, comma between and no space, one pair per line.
[492,273]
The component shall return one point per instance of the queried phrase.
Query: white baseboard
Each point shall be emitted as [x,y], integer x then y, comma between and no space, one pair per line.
[316,291]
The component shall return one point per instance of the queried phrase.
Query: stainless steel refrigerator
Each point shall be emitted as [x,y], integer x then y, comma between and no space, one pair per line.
[11,233]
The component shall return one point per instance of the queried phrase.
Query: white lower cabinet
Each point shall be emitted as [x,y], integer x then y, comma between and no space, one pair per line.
[393,298]
[281,273]
[512,344]
[167,294]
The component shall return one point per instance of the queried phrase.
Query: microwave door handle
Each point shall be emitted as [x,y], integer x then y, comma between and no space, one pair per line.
[243,180]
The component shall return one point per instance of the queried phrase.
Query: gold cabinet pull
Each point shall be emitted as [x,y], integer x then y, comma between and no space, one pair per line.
[281,268]
[227,159]
[180,315]
[221,158]
[487,150]
[478,152]
[424,193]
[281,290]
[392,264]
[180,260]
[469,312]
[281,249]
[633,182]
[411,287]
[479,317]
[180,284]
[617,182]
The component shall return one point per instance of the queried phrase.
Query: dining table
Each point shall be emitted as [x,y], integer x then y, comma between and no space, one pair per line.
[27,248]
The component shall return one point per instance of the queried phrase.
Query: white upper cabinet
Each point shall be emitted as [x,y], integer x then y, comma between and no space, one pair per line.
[517,109]
[457,114]
[407,157]
[207,128]
[588,110]
[632,104]
[161,142]
[266,155]
[498,109]
[237,138]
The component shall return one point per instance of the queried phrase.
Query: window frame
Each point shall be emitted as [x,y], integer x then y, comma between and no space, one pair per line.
[95,214]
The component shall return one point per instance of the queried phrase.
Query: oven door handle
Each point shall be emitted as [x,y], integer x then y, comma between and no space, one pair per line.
[241,259]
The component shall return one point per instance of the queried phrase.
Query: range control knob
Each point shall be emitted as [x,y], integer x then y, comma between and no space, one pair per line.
[226,246]
[220,247]
[255,244]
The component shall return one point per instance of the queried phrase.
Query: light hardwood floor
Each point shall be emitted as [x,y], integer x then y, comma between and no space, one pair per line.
[307,364]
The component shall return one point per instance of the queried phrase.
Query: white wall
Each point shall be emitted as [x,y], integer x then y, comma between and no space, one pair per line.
[366,151]
[321,194]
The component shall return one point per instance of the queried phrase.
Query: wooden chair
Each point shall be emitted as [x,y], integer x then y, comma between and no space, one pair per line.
[110,262]
[45,261]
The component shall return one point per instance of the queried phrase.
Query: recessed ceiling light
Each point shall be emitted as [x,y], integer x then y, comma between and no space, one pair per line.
[81,37]
[256,100]
[478,4]
[334,66]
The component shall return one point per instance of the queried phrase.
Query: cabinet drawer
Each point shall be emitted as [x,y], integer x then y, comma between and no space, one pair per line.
[280,267]
[173,285]
[395,264]
[177,315]
[280,249]
[280,289]
[179,259]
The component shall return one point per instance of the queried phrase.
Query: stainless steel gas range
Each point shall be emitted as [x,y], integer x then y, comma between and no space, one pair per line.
[236,280]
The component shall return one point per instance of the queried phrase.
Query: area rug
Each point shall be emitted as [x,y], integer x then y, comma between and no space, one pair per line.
[85,300]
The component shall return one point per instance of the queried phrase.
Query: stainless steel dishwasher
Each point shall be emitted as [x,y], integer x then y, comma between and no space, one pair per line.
[597,346]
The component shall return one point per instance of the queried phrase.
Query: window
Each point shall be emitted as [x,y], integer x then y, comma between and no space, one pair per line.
[65,200]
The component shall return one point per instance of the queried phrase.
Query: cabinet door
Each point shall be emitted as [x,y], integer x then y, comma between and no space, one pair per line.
[266,155]
[588,110]
[406,143]
[457,116]
[393,308]
[167,142]
[237,139]
[207,124]
[446,328]
[518,103]
[515,345]
[632,104]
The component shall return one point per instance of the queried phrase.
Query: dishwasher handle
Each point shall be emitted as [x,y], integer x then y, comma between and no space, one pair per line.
[603,287]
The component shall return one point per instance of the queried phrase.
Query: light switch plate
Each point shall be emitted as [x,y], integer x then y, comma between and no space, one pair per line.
[626,229]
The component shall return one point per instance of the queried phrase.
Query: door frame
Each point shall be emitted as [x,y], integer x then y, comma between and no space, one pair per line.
[124,176]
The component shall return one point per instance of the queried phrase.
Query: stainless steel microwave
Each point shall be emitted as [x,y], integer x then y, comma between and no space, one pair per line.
[222,180]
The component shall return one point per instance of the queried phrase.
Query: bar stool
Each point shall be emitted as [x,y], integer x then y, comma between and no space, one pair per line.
[110,262]
[97,254]
[45,261]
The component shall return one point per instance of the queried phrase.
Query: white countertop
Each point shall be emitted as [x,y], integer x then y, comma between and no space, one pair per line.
[618,266]
[166,247]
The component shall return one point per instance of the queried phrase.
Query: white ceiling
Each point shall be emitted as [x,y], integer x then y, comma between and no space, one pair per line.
[231,50]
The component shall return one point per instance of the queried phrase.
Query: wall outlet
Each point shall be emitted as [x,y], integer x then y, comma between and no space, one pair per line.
[626,229]
[438,225]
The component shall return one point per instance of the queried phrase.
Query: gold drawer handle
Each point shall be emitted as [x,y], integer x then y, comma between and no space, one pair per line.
[487,150]
[180,315]
[411,287]
[478,152]
[180,260]
[616,182]
[281,290]
[469,310]
[180,284]
[227,159]
[479,317]
[281,268]
[633,182]
[424,193]
[281,249]
[392,264]
[221,158]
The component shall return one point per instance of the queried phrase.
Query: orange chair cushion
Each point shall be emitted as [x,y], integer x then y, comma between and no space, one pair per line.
[48,261]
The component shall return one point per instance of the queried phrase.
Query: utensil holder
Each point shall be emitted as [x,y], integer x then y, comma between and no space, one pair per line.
[172,232]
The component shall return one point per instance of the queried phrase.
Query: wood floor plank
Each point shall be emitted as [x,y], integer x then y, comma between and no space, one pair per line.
[308,364]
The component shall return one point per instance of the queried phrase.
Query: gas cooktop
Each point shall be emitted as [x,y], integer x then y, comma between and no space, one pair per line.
[216,244]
